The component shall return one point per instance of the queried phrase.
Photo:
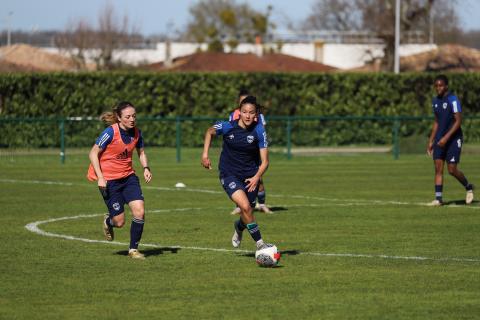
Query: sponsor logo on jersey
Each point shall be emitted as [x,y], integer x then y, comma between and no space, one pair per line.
[436,105]
[123,155]
[116,206]
[250,139]
[232,185]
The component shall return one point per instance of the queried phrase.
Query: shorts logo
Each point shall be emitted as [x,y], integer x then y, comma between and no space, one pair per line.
[222,181]
[250,139]
[116,206]
[459,143]
[232,185]
[444,105]
[453,159]
[231,137]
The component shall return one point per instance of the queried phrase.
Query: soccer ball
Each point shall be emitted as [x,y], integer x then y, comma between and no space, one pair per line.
[268,257]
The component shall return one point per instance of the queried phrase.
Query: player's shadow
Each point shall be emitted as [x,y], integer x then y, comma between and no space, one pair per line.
[276,209]
[152,252]
[460,203]
[283,252]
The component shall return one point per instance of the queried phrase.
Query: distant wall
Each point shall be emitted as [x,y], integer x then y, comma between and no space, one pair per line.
[342,56]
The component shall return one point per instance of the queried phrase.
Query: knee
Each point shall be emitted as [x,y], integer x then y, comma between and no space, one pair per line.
[119,221]
[452,170]
[246,209]
[139,213]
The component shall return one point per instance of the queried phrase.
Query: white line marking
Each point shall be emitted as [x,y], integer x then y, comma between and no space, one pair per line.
[34,227]
[348,202]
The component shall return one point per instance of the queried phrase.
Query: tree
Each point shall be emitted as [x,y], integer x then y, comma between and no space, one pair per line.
[378,17]
[78,37]
[220,22]
[112,34]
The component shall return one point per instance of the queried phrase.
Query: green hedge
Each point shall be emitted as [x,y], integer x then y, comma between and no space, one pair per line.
[214,94]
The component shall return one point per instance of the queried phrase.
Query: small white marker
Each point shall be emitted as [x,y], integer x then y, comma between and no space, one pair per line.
[180,185]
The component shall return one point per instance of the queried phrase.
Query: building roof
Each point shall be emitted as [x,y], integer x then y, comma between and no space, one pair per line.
[240,62]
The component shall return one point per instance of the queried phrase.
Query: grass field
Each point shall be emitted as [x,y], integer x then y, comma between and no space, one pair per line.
[357,243]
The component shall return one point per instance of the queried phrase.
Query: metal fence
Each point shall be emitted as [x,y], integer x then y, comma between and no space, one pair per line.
[286,133]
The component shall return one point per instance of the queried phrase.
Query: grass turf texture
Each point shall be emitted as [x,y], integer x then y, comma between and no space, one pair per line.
[350,204]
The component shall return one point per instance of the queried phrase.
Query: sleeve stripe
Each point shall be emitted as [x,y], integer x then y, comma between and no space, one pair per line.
[103,139]
[455,106]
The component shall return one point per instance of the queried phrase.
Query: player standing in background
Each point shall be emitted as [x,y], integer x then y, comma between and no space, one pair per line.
[111,165]
[446,139]
[243,161]
[235,115]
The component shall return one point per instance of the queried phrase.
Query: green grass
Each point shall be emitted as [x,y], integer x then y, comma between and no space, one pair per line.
[350,204]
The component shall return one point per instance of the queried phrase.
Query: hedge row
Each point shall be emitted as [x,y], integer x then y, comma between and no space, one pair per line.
[214,94]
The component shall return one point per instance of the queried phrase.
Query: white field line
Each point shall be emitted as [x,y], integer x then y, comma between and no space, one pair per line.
[348,202]
[34,227]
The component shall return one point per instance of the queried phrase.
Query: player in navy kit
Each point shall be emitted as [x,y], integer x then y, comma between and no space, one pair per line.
[446,139]
[243,161]
[261,196]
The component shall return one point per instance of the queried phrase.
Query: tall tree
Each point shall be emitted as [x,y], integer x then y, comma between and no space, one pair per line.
[112,33]
[220,22]
[378,17]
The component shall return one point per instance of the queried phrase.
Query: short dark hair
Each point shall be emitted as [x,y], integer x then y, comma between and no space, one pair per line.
[443,78]
[243,92]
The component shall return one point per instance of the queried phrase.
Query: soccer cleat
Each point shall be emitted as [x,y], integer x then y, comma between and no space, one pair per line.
[235,211]
[263,208]
[262,245]
[469,197]
[435,203]
[107,230]
[236,239]
[135,254]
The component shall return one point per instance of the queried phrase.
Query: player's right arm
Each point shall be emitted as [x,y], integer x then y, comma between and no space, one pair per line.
[94,159]
[432,137]
[102,142]
[209,134]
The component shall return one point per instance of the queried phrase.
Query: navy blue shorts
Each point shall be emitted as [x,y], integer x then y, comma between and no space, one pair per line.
[121,191]
[232,183]
[451,152]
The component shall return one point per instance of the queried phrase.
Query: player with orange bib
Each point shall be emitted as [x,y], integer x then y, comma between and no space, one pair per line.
[111,166]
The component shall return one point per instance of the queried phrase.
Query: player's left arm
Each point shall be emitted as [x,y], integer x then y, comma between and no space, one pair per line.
[457,113]
[263,148]
[147,174]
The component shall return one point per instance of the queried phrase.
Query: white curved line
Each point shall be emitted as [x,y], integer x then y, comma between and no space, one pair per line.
[34,227]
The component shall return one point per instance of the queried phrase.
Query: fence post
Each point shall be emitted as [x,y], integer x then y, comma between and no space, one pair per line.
[395,137]
[289,138]
[178,129]
[62,140]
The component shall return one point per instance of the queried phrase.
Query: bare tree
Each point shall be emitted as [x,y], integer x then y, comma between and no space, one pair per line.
[378,17]
[224,21]
[112,34]
[78,38]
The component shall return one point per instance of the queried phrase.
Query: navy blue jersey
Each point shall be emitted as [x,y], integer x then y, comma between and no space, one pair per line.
[127,136]
[240,155]
[444,109]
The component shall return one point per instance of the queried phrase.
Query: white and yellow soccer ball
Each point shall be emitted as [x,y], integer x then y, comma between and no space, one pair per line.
[268,257]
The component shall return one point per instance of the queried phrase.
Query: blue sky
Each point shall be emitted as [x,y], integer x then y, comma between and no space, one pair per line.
[153,16]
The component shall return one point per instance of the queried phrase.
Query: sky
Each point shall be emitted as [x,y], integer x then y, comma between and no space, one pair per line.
[160,16]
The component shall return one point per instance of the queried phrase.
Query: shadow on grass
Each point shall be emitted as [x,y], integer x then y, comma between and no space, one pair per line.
[152,252]
[283,252]
[461,203]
